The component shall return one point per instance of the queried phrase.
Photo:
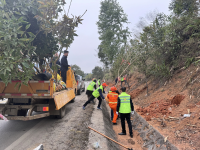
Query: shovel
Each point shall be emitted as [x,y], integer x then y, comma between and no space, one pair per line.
[110,139]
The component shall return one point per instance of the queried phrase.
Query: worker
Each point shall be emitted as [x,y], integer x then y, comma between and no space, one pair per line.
[99,82]
[90,88]
[97,94]
[116,81]
[113,97]
[125,80]
[111,111]
[122,80]
[64,66]
[125,108]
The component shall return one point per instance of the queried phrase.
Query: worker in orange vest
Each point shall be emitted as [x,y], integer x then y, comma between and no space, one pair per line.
[113,97]
[125,80]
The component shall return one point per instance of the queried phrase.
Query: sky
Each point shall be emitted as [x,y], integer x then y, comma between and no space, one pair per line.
[83,51]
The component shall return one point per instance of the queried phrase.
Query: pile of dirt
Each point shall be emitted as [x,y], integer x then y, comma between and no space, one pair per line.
[176,100]
[155,109]
[161,107]
[137,92]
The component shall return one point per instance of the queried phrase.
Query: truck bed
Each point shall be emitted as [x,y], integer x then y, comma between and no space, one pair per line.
[35,89]
[37,96]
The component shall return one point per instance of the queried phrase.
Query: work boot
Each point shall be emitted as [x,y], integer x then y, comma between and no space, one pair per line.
[114,123]
[122,133]
[131,135]
[99,108]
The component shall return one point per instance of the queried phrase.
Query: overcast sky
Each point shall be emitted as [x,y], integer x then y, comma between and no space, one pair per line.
[83,51]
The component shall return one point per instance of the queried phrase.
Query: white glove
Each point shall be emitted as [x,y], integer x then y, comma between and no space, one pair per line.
[106,92]
[117,113]
[132,112]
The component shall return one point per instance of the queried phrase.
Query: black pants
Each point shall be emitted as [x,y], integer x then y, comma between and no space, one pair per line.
[63,75]
[128,119]
[121,83]
[92,98]
[89,94]
[126,83]
[111,114]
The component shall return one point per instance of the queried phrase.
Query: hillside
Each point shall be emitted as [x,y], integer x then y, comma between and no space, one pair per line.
[166,104]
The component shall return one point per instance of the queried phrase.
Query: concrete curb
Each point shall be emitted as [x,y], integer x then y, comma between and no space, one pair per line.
[109,127]
[97,123]
[153,140]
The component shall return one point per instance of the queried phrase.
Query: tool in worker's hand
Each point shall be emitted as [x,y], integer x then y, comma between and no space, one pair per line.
[110,139]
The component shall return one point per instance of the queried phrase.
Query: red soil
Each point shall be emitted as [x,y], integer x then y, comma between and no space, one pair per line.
[169,102]
[159,108]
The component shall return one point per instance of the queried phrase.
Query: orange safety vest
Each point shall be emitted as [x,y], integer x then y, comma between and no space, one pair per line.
[124,77]
[113,98]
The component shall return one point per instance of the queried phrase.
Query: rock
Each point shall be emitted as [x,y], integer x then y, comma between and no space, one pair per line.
[131,141]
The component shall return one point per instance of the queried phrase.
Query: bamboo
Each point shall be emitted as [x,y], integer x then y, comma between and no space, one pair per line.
[110,138]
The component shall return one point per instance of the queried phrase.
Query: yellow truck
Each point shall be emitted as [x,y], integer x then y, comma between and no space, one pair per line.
[38,96]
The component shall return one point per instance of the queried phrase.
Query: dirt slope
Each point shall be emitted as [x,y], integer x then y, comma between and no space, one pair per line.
[168,102]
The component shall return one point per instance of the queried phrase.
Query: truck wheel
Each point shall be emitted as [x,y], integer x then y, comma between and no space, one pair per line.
[73,100]
[22,112]
[62,112]
[79,92]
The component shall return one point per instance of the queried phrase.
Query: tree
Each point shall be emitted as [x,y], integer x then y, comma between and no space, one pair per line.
[88,77]
[98,72]
[111,29]
[184,7]
[29,33]
[77,70]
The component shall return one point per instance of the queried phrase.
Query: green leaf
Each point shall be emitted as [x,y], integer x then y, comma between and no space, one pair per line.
[25,64]
[31,34]
[22,44]
[7,68]
[28,26]
[24,39]
[19,28]
[17,13]
[4,72]
[16,84]
[20,86]
[11,66]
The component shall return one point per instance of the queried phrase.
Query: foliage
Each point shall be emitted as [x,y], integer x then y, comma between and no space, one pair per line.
[184,7]
[30,31]
[169,42]
[16,44]
[164,45]
[77,70]
[97,72]
[88,77]
[112,33]
[63,29]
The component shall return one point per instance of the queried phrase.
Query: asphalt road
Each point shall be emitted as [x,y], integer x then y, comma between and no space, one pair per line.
[13,133]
